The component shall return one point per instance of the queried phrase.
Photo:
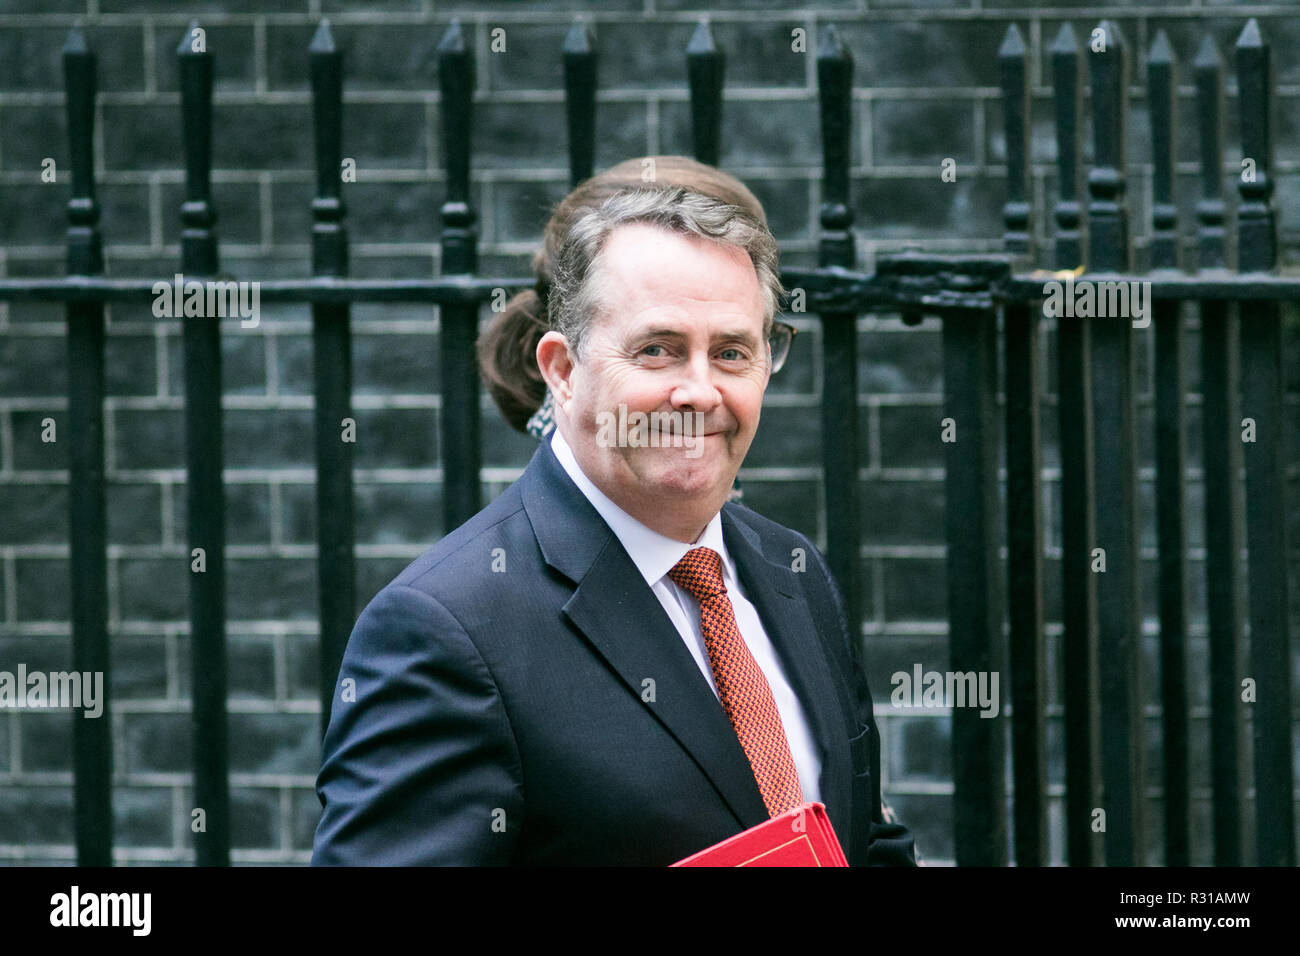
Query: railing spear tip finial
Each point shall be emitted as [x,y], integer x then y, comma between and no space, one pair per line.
[187,46]
[1161,51]
[1250,35]
[702,39]
[1207,54]
[1013,44]
[831,45]
[453,40]
[1066,41]
[578,39]
[322,40]
[75,45]
[1114,37]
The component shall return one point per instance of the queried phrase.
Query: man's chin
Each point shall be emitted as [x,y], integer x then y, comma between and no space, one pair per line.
[685,477]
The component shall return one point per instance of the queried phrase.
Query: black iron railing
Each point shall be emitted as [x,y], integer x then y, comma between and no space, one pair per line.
[1241,350]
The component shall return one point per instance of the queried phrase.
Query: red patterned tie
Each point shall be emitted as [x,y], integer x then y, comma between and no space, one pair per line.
[745,694]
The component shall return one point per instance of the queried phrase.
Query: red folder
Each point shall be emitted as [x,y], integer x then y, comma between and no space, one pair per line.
[802,836]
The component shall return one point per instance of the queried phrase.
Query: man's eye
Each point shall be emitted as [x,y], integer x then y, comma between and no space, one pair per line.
[647,351]
[739,356]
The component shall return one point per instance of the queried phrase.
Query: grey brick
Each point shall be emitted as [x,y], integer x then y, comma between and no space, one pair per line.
[138,667]
[922,748]
[154,589]
[38,514]
[374,573]
[754,132]
[393,212]
[402,364]
[237,206]
[792,503]
[200,7]
[904,133]
[886,654]
[786,204]
[134,513]
[28,210]
[36,816]
[142,817]
[924,207]
[231,47]
[47,740]
[923,52]
[254,818]
[910,436]
[157,742]
[266,136]
[142,137]
[32,134]
[929,818]
[250,667]
[915,590]
[263,438]
[520,210]
[274,743]
[894,362]
[130,365]
[546,6]
[533,56]
[503,447]
[34,57]
[902,512]
[335,6]
[305,811]
[43,589]
[148,438]
[397,438]
[302,656]
[785,435]
[278,588]
[754,5]
[376,56]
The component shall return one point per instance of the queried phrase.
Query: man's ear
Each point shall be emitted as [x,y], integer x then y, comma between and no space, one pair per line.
[555,361]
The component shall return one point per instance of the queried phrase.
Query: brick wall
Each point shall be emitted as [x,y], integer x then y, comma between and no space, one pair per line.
[927,90]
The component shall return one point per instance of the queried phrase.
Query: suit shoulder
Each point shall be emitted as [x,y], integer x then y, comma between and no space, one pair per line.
[493,523]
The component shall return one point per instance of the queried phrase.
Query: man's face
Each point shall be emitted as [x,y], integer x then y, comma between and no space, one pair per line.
[682,332]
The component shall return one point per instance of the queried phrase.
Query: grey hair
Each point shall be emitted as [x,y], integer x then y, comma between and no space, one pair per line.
[577,282]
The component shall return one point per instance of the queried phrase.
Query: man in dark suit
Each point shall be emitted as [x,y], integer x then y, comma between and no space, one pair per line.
[611,664]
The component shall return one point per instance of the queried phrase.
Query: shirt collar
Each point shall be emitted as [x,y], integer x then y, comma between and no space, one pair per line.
[654,554]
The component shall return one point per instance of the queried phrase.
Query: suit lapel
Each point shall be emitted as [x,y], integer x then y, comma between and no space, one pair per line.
[623,621]
[771,587]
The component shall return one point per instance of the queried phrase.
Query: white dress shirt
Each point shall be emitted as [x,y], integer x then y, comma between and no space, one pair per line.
[655,555]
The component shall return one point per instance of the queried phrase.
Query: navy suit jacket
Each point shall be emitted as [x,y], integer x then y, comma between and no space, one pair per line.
[491,705]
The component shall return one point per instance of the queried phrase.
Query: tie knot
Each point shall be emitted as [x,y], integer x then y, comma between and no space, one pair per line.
[699,573]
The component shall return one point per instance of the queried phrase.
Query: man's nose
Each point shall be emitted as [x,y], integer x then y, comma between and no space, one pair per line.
[696,388]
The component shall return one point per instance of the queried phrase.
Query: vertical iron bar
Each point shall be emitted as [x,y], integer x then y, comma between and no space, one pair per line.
[580,101]
[705,65]
[1171,459]
[974,612]
[1024,484]
[205,494]
[1262,385]
[836,247]
[461,440]
[1221,465]
[332,369]
[1078,514]
[1118,613]
[92,742]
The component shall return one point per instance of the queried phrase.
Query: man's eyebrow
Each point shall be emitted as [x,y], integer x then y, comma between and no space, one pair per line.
[735,335]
